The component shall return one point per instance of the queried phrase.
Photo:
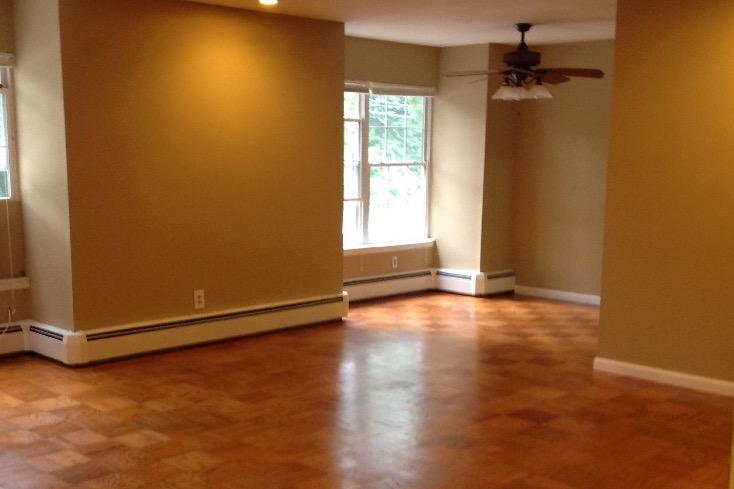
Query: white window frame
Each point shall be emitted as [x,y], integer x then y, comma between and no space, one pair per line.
[365,166]
[6,88]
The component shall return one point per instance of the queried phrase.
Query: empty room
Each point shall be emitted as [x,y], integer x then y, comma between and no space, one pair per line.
[382,244]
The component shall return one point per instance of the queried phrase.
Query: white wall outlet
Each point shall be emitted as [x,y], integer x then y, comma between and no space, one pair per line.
[199,299]
[395,261]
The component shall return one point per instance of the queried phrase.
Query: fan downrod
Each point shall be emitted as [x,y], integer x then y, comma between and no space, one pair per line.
[523,27]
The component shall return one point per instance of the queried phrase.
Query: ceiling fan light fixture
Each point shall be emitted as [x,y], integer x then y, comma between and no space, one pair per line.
[506,92]
[539,92]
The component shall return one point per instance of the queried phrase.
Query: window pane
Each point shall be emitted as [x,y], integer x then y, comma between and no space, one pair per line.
[414,144]
[351,232]
[377,150]
[396,129]
[416,111]
[378,111]
[4,153]
[397,203]
[351,159]
[351,105]
[4,184]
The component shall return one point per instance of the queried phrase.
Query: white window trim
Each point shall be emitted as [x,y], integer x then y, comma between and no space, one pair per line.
[7,61]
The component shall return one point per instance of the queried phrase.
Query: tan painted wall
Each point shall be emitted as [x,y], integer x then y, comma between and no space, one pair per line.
[390,62]
[457,179]
[380,263]
[560,175]
[499,164]
[204,152]
[42,158]
[668,270]
[7,34]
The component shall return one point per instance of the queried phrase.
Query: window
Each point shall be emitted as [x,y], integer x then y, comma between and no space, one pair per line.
[6,153]
[386,166]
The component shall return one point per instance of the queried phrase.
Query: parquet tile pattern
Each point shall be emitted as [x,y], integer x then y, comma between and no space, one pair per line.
[425,391]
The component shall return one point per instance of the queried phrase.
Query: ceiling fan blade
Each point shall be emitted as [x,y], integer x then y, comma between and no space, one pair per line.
[552,78]
[579,72]
[474,73]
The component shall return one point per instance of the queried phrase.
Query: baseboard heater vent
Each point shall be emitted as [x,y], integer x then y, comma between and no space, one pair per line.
[44,332]
[386,285]
[456,275]
[209,319]
[383,278]
[15,328]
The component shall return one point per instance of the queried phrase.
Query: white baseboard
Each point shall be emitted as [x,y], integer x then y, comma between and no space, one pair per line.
[558,295]
[661,376]
[82,347]
[386,285]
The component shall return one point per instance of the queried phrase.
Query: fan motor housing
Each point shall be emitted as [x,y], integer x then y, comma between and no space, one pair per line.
[522,58]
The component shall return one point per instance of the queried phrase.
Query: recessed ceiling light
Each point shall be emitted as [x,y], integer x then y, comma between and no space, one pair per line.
[268,2]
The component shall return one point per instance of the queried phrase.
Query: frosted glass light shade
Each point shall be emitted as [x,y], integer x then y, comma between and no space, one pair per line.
[510,93]
[539,92]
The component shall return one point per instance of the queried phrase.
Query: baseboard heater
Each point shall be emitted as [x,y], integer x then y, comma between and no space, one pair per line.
[475,283]
[386,285]
[446,280]
[83,347]
[12,339]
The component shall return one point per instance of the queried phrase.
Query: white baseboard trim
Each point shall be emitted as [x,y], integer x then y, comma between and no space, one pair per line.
[558,295]
[386,285]
[88,346]
[661,376]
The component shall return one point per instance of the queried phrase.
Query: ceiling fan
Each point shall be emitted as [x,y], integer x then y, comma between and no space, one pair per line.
[521,80]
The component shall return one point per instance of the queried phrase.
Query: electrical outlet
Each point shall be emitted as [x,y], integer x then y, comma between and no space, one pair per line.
[199,299]
[395,262]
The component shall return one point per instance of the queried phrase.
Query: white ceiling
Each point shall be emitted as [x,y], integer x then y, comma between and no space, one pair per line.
[455,22]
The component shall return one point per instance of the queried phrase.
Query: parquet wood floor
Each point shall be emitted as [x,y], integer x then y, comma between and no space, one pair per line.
[426,391]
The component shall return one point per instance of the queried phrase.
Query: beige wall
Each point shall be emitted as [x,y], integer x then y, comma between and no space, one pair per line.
[7,34]
[457,178]
[42,158]
[668,270]
[390,62]
[560,175]
[499,165]
[203,152]
[375,263]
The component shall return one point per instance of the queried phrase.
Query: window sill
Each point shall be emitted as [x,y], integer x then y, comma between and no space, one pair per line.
[389,247]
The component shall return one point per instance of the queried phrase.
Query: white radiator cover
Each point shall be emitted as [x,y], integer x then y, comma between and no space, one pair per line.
[95,345]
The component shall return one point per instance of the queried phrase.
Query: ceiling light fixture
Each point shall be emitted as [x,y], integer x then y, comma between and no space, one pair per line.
[268,3]
[513,88]
[539,92]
